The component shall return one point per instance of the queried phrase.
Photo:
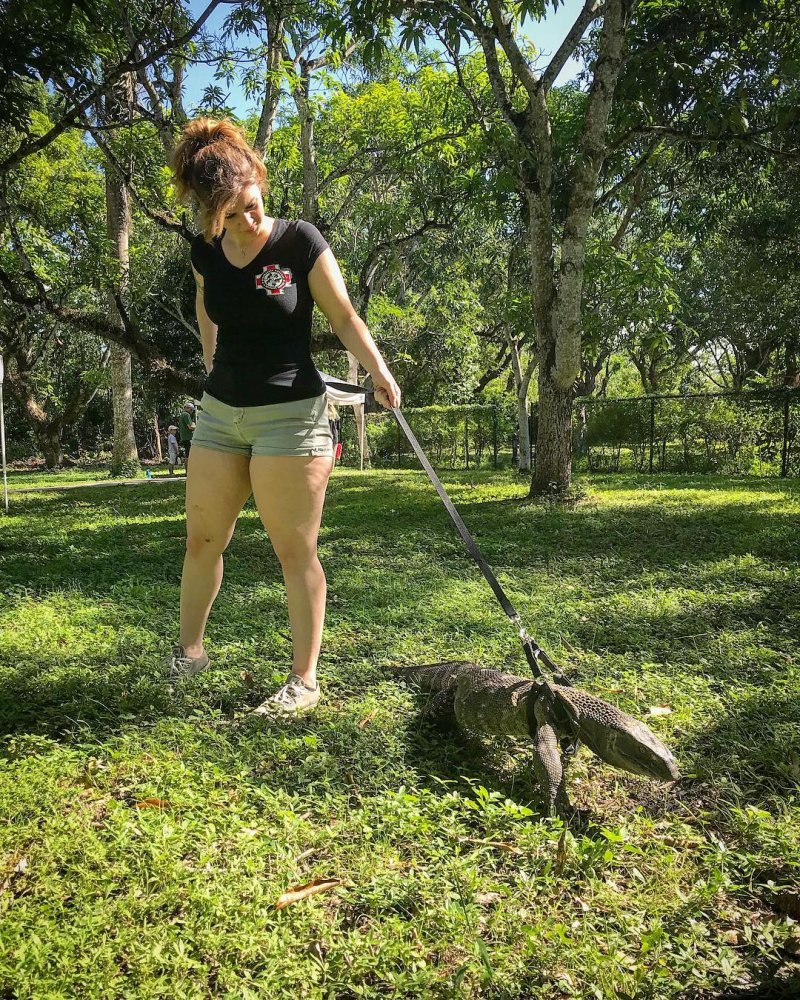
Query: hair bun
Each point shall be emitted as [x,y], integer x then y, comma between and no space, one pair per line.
[207,133]
[211,162]
[203,132]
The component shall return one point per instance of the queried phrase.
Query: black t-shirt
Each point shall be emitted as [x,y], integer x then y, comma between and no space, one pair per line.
[263,313]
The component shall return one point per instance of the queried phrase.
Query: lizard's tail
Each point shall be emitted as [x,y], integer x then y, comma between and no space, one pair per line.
[434,676]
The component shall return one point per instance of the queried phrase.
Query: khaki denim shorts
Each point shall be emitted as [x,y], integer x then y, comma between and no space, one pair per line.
[299,427]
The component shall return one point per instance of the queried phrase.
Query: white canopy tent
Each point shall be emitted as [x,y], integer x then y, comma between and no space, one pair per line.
[344,397]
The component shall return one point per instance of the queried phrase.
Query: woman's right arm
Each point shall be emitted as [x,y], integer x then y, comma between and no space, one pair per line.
[208,330]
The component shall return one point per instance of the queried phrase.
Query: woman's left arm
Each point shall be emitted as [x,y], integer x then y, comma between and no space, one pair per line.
[330,293]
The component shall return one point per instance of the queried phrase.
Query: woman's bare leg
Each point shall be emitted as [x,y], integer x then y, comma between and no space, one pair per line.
[217,487]
[290,493]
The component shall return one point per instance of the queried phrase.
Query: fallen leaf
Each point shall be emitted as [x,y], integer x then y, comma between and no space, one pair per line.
[487,898]
[153,803]
[297,892]
[248,677]
[19,869]
[733,937]
[660,710]
[368,718]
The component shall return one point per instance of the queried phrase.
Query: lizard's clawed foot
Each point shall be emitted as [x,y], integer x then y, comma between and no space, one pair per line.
[578,820]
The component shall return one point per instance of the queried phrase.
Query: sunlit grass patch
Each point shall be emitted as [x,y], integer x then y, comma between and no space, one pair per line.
[147,831]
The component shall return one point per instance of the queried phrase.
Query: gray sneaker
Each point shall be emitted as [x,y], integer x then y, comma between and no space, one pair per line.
[291,698]
[178,665]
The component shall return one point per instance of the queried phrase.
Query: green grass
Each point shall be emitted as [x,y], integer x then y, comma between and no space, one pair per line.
[653,591]
[29,479]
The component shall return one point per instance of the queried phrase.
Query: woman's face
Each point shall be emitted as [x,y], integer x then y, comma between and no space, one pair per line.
[246,215]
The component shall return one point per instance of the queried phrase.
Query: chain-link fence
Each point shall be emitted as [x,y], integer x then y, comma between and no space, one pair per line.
[745,433]
[455,437]
[749,433]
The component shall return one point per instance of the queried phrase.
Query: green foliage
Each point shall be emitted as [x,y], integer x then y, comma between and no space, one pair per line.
[731,435]
[456,436]
[130,469]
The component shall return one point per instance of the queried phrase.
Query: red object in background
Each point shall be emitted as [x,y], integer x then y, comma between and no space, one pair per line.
[338,453]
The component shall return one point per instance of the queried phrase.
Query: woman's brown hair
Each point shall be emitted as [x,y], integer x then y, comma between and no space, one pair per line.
[212,162]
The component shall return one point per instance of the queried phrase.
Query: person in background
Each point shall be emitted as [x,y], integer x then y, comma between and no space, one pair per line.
[187,426]
[173,453]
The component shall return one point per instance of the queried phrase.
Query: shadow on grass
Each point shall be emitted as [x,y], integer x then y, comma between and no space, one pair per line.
[756,743]
[781,981]
[710,482]
[405,513]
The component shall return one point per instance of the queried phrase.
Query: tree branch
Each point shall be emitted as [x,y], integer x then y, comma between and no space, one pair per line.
[501,22]
[632,174]
[177,315]
[165,221]
[591,11]
[514,118]
[128,65]
[748,138]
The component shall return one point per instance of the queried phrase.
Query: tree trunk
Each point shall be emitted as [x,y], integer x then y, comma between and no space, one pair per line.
[272,88]
[302,95]
[522,381]
[558,317]
[553,473]
[118,225]
[47,428]
[523,432]
[791,375]
[124,445]
[358,411]
[48,437]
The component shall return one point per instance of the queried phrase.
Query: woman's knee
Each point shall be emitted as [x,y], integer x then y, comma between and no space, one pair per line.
[296,556]
[205,545]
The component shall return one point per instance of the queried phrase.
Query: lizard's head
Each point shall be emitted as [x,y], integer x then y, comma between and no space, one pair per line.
[633,748]
[618,738]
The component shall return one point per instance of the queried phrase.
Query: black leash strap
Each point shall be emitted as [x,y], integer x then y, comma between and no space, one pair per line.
[534,654]
[533,651]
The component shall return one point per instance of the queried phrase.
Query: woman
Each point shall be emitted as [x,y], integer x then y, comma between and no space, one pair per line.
[263,427]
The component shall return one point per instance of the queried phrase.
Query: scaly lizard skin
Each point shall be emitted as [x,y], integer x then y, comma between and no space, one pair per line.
[498,704]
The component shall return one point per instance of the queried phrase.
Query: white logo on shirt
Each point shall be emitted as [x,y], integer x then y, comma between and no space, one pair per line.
[274,279]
